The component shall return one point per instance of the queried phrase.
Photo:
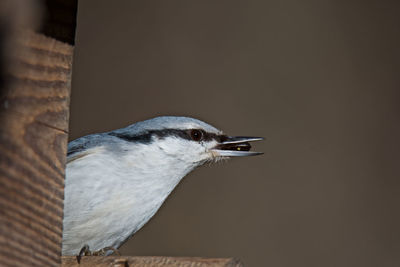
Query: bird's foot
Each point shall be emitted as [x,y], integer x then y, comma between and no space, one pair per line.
[85,251]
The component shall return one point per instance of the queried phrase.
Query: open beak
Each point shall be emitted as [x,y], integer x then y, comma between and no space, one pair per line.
[236,146]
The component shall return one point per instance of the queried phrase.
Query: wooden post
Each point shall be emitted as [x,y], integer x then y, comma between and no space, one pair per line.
[33,141]
[35,86]
[35,83]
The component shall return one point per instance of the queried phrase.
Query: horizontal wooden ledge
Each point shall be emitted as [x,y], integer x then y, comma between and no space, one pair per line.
[137,261]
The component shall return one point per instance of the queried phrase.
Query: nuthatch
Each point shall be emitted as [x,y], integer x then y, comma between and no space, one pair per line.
[116,181]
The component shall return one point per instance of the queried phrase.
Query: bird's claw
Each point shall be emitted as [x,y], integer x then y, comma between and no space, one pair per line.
[85,251]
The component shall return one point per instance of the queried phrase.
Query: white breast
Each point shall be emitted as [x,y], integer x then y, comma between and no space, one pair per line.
[109,195]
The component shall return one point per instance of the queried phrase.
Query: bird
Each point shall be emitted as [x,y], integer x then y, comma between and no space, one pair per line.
[116,181]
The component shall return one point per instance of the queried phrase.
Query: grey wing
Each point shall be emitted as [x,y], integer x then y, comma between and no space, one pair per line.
[80,147]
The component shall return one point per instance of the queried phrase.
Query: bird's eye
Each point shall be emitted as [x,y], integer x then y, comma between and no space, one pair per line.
[196,135]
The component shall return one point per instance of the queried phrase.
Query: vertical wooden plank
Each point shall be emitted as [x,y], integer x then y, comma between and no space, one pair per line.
[34,110]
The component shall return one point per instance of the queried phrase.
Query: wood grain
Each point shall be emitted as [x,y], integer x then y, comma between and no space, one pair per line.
[90,261]
[34,112]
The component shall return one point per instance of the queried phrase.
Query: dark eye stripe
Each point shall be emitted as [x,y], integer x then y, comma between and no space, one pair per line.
[184,134]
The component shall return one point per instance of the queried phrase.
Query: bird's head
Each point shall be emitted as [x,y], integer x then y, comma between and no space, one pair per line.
[188,139]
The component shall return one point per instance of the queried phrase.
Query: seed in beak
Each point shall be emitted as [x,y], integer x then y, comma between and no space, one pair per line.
[236,146]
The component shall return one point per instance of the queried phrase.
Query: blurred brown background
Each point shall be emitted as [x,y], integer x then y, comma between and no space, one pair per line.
[319,79]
